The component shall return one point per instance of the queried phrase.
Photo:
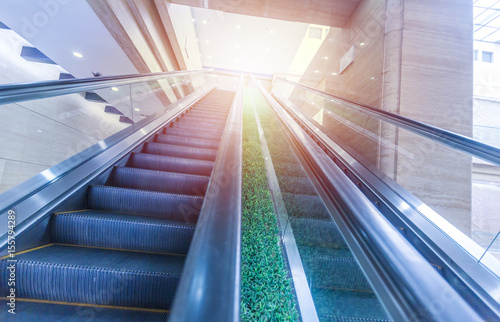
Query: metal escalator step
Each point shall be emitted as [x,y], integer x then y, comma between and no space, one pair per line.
[190,124]
[121,231]
[333,268]
[171,164]
[305,206]
[210,110]
[180,151]
[288,169]
[142,202]
[317,232]
[296,184]
[97,276]
[344,305]
[184,141]
[202,121]
[32,310]
[208,115]
[161,181]
[193,133]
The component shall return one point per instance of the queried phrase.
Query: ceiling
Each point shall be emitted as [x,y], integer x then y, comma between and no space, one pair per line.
[246,43]
[487,20]
[334,13]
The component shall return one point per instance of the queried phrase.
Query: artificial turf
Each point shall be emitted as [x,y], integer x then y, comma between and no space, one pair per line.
[266,291]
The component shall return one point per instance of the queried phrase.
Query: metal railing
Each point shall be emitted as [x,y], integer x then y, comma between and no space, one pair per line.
[209,289]
[448,138]
[407,285]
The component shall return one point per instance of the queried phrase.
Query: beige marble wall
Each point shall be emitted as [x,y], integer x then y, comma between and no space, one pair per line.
[436,88]
[413,58]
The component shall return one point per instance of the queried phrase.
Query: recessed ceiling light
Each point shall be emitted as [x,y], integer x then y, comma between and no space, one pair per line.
[334,74]
[237,46]
[207,41]
[77,54]
[326,58]
[316,71]
[373,78]
[362,44]
[238,27]
[137,109]
[39,131]
[271,31]
[115,89]
[193,20]
[204,22]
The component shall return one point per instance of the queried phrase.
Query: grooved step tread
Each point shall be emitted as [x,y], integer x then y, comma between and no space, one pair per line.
[32,310]
[341,305]
[121,231]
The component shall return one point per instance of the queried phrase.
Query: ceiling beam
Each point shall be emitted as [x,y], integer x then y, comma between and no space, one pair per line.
[114,26]
[162,9]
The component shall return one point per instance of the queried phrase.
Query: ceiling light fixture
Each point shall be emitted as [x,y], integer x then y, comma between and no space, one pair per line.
[334,74]
[326,58]
[271,31]
[207,41]
[362,44]
[238,27]
[77,54]
[137,109]
[115,89]
[316,71]
[204,22]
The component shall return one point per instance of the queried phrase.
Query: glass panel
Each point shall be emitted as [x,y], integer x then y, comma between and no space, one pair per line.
[447,183]
[40,134]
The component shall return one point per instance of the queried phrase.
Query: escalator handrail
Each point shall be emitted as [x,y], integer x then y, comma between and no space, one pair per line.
[19,92]
[209,289]
[451,139]
[406,283]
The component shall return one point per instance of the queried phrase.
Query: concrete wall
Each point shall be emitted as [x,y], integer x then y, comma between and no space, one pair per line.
[413,58]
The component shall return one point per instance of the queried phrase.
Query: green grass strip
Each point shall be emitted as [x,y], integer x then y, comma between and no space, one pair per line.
[266,292]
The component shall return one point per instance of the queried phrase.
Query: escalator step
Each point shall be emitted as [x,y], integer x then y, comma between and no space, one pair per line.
[180,151]
[171,164]
[344,305]
[300,185]
[44,312]
[317,232]
[120,231]
[158,181]
[333,268]
[142,202]
[288,169]
[188,124]
[97,276]
[193,133]
[203,121]
[193,142]
[305,206]
[208,115]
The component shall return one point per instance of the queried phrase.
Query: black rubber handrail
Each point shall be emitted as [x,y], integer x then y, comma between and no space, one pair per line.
[407,285]
[451,139]
[19,92]
[209,289]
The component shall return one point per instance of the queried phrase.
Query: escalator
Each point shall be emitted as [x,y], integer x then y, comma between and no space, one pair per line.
[122,256]
[339,289]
